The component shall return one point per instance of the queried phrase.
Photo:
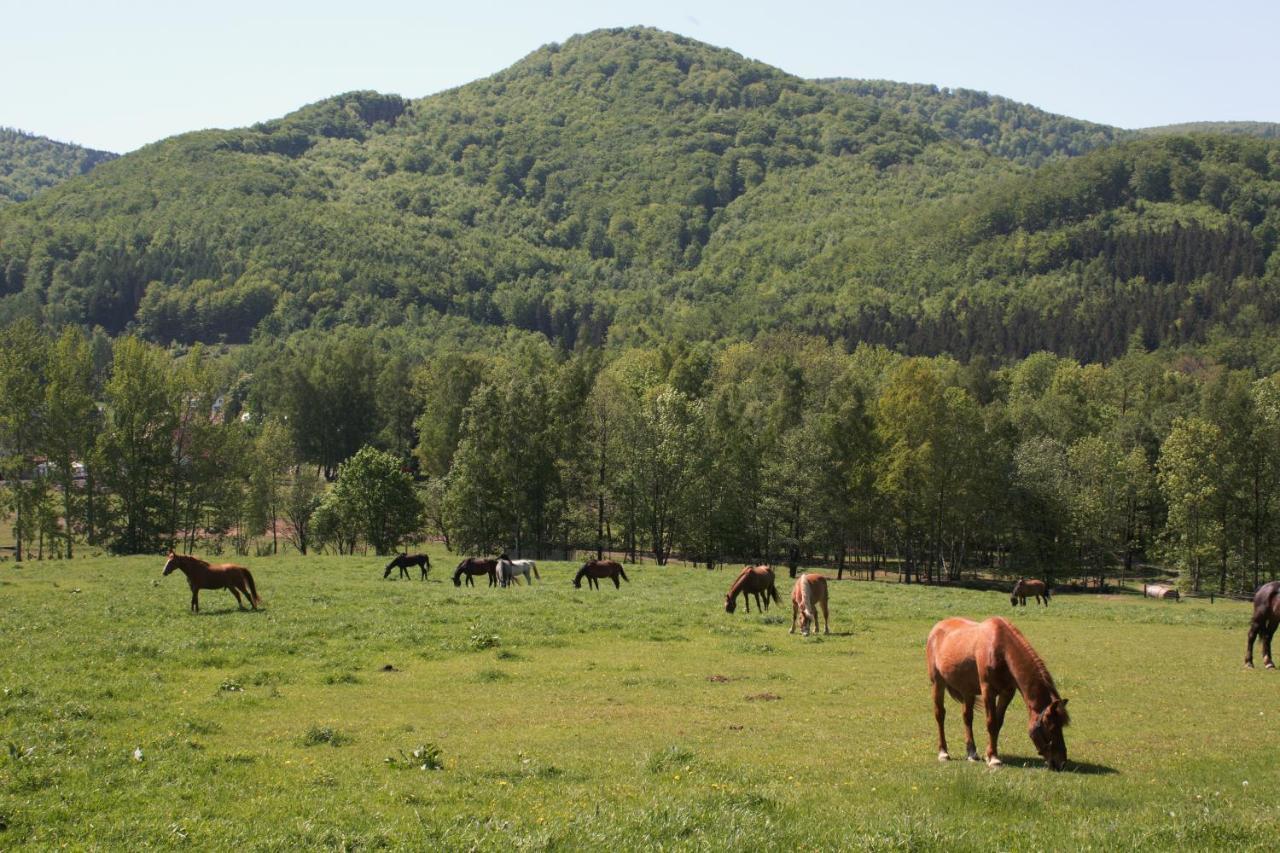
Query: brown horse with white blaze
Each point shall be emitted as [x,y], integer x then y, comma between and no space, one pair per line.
[992,661]
[1029,587]
[596,569]
[753,580]
[808,593]
[201,575]
[1266,617]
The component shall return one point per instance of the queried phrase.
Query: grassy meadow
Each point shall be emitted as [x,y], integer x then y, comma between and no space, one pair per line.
[356,712]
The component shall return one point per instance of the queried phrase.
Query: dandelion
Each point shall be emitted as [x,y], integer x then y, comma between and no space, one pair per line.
[677,777]
[137,756]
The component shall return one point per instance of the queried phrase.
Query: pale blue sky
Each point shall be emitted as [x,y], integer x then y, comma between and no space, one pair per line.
[117,75]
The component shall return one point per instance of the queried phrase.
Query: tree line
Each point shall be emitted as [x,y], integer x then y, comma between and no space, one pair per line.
[787,449]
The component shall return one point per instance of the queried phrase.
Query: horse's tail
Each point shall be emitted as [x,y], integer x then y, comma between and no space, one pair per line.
[772,592]
[623,573]
[534,566]
[253,588]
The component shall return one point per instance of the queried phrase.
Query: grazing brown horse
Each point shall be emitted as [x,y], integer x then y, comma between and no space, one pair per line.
[992,661]
[753,580]
[596,569]
[476,566]
[809,591]
[1027,587]
[404,561]
[1266,616]
[201,575]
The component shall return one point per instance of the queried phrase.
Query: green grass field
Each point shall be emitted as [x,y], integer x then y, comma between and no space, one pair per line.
[644,717]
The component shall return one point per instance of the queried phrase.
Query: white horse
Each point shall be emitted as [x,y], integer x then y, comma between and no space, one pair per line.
[509,568]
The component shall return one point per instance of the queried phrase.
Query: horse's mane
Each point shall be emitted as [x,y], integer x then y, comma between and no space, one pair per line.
[189,558]
[806,596]
[1032,657]
[740,581]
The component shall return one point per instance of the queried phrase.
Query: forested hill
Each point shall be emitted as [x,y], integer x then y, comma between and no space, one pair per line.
[30,163]
[1003,127]
[634,185]
[1262,129]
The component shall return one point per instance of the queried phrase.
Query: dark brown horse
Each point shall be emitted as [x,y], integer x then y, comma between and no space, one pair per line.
[992,661]
[597,569]
[1266,616]
[404,561]
[753,580]
[1029,587]
[201,575]
[476,566]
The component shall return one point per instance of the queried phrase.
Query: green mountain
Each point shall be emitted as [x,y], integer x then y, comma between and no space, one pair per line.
[1000,126]
[29,163]
[634,185]
[1262,129]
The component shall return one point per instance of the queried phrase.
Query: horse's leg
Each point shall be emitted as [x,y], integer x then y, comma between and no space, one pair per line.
[795,612]
[995,705]
[236,593]
[940,715]
[195,599]
[1255,627]
[826,619]
[1268,632]
[989,700]
[970,748]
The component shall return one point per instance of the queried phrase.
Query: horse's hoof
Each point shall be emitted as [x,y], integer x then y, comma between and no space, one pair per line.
[1248,664]
[973,756]
[942,756]
[994,762]
[1270,665]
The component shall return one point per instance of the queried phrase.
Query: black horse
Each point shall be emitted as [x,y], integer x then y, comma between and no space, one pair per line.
[404,561]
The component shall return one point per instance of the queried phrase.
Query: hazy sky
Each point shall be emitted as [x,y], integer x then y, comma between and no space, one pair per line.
[117,75]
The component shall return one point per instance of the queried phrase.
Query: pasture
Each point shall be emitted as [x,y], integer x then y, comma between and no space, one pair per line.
[565,718]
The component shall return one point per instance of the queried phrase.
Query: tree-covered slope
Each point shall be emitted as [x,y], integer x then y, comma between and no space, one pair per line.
[1262,129]
[1172,239]
[635,185]
[546,196]
[30,163]
[1003,127]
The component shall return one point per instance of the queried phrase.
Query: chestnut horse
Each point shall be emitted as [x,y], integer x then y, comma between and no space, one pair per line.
[1029,586]
[809,591]
[753,580]
[476,566]
[596,569]
[404,561]
[201,575]
[1266,616]
[992,660]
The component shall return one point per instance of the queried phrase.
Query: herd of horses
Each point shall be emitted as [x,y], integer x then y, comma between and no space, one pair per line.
[988,661]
